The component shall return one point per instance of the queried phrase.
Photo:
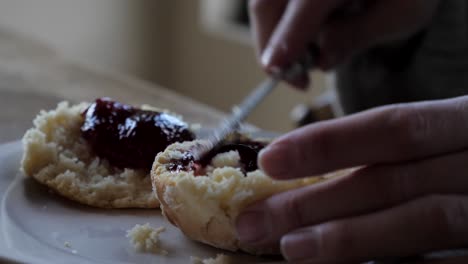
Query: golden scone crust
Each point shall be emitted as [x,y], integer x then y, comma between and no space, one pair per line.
[205,207]
[57,156]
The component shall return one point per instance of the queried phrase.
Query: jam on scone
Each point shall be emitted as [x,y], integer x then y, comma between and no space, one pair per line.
[248,152]
[130,137]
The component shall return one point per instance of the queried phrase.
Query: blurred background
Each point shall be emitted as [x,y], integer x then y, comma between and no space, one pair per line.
[198,48]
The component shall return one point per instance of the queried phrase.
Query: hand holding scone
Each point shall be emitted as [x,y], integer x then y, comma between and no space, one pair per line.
[283,29]
[407,197]
[204,197]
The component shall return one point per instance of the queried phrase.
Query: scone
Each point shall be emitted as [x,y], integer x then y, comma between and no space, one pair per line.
[203,198]
[100,154]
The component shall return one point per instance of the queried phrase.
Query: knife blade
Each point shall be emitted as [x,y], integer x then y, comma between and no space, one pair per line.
[241,112]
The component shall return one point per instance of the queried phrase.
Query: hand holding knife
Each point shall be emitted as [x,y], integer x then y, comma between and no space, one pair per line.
[241,112]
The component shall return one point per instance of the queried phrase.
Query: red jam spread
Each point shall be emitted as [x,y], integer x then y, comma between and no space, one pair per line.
[129,137]
[248,152]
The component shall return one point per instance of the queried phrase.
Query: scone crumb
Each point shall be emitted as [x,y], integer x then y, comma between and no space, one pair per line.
[220,259]
[145,238]
[227,159]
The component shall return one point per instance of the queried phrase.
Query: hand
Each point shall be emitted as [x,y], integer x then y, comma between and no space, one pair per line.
[409,194]
[283,29]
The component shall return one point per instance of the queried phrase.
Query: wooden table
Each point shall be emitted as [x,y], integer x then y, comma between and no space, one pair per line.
[34,77]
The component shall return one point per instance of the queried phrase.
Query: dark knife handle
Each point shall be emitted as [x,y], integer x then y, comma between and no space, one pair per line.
[302,66]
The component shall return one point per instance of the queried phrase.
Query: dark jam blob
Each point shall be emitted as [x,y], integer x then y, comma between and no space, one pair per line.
[248,152]
[183,164]
[129,137]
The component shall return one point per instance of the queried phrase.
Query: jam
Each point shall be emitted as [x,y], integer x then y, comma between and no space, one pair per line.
[187,162]
[248,152]
[129,137]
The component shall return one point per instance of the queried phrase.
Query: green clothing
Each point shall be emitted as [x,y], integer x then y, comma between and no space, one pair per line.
[432,64]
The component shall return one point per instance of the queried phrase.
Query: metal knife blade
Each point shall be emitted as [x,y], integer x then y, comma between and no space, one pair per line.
[241,112]
[238,115]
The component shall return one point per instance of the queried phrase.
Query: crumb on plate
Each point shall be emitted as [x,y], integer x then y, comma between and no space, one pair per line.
[220,259]
[145,238]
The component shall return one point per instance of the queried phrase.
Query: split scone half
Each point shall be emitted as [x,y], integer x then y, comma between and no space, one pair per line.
[203,198]
[99,153]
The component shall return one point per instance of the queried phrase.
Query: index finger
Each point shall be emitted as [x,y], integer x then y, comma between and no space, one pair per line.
[383,135]
[265,15]
[298,28]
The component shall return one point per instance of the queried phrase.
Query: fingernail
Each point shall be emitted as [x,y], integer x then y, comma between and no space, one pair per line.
[267,56]
[275,160]
[252,227]
[300,245]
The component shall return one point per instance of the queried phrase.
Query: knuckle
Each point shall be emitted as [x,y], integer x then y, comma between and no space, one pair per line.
[286,212]
[461,109]
[408,125]
[458,216]
[436,211]
[399,184]
[301,153]
[391,185]
[461,104]
[294,212]
[335,238]
[322,147]
[449,215]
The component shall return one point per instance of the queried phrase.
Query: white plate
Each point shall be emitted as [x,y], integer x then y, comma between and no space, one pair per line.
[36,226]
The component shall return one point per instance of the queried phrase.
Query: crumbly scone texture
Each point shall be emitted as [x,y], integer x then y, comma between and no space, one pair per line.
[57,156]
[205,207]
[144,238]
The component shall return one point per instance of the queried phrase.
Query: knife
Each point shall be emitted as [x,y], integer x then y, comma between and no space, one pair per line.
[241,112]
